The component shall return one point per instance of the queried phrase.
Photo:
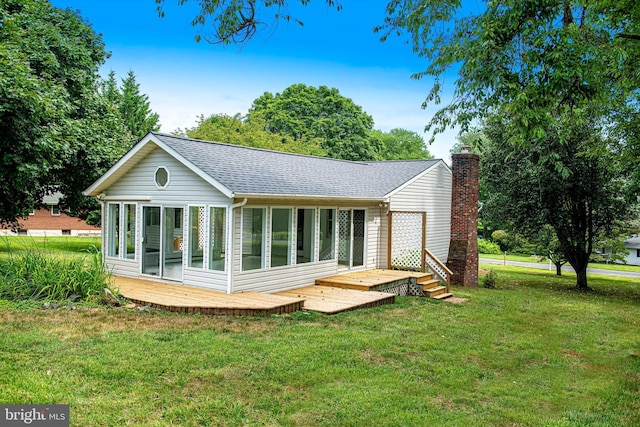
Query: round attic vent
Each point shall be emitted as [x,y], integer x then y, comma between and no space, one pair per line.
[162,177]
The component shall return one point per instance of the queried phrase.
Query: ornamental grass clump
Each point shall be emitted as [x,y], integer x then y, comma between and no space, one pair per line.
[36,274]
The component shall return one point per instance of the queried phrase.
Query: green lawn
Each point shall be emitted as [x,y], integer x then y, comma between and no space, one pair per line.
[60,244]
[533,258]
[531,353]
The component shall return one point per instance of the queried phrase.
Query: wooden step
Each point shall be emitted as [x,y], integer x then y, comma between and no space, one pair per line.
[432,292]
[424,278]
[430,284]
[444,295]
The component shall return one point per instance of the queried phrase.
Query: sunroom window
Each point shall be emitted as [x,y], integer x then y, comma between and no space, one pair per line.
[327,240]
[306,231]
[217,239]
[130,230]
[253,238]
[280,237]
[113,230]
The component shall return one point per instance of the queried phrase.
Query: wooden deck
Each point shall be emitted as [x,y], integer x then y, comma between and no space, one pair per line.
[189,299]
[332,300]
[330,295]
[369,279]
[398,282]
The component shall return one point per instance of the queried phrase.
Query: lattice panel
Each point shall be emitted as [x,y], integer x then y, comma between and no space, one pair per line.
[344,227]
[406,239]
[202,230]
[401,288]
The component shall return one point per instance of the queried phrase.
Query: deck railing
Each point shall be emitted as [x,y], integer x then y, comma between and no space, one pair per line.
[437,267]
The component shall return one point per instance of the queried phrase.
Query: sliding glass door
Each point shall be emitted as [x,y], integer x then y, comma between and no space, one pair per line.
[162,241]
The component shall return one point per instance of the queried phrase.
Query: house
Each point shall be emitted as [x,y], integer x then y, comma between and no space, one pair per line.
[50,220]
[632,244]
[233,218]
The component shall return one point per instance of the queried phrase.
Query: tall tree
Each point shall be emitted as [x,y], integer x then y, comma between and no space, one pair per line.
[236,130]
[535,62]
[49,60]
[576,190]
[135,108]
[399,144]
[302,111]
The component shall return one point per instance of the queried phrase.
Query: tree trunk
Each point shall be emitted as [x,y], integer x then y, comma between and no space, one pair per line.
[581,279]
[558,269]
[579,263]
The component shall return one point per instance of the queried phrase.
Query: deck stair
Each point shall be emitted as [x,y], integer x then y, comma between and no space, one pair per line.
[398,282]
[432,288]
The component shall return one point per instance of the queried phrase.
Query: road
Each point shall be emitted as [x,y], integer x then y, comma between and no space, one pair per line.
[631,274]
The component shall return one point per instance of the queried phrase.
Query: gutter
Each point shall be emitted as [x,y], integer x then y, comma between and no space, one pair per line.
[229,259]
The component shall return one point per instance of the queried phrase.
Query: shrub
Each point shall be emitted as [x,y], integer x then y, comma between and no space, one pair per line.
[487,247]
[37,274]
[490,280]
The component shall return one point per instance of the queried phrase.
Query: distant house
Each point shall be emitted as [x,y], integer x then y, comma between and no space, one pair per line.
[632,244]
[49,220]
[235,218]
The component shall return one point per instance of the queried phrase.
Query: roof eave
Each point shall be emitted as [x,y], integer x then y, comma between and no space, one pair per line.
[309,197]
[106,180]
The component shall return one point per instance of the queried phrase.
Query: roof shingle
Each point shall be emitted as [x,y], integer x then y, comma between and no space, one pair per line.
[246,170]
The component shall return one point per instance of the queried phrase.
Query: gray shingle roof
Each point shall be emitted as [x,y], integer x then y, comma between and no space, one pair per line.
[633,242]
[245,170]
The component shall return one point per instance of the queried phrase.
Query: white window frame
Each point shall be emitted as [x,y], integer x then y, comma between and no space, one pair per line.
[155,177]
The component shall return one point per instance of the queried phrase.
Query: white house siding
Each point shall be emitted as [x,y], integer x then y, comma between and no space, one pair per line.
[374,238]
[429,193]
[123,267]
[383,239]
[633,258]
[283,278]
[185,188]
[216,280]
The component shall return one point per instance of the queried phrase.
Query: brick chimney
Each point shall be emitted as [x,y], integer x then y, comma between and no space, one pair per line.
[463,248]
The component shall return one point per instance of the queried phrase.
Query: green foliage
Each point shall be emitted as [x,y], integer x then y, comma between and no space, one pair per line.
[398,144]
[614,250]
[560,183]
[34,273]
[473,138]
[488,247]
[49,60]
[134,108]
[530,61]
[60,124]
[236,130]
[308,113]
[490,280]
[237,21]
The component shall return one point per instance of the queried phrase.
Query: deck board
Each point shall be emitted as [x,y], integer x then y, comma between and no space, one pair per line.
[190,299]
[368,279]
[330,300]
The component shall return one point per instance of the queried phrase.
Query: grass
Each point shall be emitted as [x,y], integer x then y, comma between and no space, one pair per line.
[62,245]
[531,352]
[52,270]
[536,259]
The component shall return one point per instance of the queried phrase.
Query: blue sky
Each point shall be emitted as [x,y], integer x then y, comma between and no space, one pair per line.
[185,79]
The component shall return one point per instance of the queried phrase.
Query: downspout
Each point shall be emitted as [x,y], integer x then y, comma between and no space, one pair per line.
[229,259]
